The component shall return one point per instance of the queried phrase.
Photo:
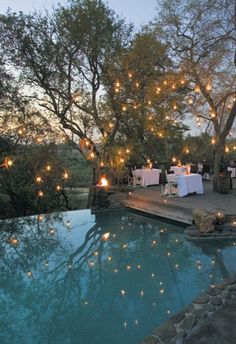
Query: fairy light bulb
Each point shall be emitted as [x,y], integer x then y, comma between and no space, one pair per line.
[213,114]
[208,86]
[130,75]
[226,149]
[187,151]
[38,179]
[117,84]
[40,193]
[8,163]
[164,82]
[137,84]
[48,168]
[101,164]
[58,188]
[175,107]
[190,101]
[117,90]
[197,89]
[66,175]
[127,151]
[182,81]
[124,108]
[174,159]
[111,125]
[149,102]
[20,131]
[173,86]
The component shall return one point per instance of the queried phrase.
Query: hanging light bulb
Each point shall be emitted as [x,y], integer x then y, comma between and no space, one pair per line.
[197,89]
[38,179]
[208,86]
[213,141]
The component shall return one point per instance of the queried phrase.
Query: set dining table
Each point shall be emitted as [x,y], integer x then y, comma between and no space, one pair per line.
[185,184]
[147,176]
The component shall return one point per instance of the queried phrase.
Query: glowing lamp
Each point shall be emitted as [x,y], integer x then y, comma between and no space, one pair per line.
[48,168]
[66,175]
[226,149]
[213,141]
[58,187]
[197,89]
[103,182]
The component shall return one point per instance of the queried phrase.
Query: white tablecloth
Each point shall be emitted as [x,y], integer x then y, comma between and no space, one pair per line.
[148,176]
[233,171]
[187,183]
[178,169]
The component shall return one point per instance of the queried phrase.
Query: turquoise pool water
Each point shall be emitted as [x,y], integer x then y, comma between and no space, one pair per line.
[107,278]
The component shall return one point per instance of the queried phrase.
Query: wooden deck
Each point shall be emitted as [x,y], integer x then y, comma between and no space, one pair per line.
[176,208]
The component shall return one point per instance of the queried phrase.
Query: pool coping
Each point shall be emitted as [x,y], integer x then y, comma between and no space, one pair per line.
[192,317]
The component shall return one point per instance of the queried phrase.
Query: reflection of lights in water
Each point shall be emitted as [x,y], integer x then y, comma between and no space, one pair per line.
[46,263]
[138,266]
[177,266]
[125,324]
[153,275]
[109,258]
[136,322]
[154,304]
[105,236]
[85,302]
[128,267]
[96,253]
[168,254]
[141,293]
[29,273]
[122,292]
[115,271]
[14,241]
[162,290]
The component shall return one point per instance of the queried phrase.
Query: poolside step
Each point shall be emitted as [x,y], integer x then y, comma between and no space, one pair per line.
[160,207]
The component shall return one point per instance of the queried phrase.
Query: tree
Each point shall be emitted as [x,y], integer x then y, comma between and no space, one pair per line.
[63,59]
[151,94]
[200,35]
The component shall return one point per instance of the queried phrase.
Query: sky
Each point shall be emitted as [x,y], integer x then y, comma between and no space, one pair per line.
[138,12]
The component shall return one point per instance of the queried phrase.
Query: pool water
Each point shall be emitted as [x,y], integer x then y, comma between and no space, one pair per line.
[101,278]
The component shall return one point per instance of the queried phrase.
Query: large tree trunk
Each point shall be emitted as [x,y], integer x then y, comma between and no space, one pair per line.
[92,190]
[217,160]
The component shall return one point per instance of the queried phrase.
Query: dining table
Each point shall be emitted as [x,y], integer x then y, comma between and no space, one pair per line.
[148,176]
[186,183]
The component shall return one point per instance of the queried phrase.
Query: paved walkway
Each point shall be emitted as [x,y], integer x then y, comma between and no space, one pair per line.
[219,328]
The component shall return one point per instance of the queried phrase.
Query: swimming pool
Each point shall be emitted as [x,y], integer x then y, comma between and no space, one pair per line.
[102,278]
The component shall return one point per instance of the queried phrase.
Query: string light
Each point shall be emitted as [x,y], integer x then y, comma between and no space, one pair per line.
[38,179]
[197,89]
[48,168]
[14,241]
[66,175]
[208,86]
[58,188]
[213,141]
[124,108]
[40,193]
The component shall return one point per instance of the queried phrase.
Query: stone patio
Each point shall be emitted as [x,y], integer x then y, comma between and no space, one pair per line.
[180,209]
